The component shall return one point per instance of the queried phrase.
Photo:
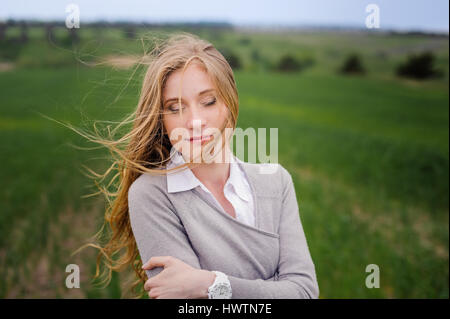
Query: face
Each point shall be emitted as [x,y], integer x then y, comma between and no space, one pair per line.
[202,112]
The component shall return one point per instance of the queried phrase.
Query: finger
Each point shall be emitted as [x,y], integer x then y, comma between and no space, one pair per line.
[153,293]
[157,261]
[151,283]
[148,285]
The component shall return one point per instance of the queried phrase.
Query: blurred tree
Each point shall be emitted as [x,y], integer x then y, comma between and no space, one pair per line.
[232,58]
[3,28]
[419,66]
[234,61]
[129,32]
[9,49]
[71,38]
[288,63]
[244,41]
[23,32]
[74,37]
[352,65]
[49,32]
[255,55]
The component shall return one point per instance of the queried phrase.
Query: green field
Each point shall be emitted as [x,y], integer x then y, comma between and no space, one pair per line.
[369,156]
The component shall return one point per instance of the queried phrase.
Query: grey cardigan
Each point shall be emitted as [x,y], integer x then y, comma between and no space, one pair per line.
[270,260]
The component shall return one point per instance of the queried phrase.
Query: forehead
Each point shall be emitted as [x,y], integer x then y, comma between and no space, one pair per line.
[194,80]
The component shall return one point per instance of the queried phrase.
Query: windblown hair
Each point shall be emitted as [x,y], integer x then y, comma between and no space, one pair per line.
[146,147]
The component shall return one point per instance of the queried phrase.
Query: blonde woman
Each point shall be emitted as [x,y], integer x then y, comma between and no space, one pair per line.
[197,228]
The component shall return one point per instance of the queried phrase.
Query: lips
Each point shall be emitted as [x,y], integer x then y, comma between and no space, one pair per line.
[200,138]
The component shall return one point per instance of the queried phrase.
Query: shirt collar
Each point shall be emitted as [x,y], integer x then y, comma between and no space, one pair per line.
[237,179]
[181,180]
[184,180]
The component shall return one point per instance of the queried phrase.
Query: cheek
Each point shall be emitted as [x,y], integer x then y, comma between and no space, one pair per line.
[220,116]
[171,121]
[171,124]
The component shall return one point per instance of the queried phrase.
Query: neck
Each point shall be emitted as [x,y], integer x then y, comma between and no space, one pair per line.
[213,174]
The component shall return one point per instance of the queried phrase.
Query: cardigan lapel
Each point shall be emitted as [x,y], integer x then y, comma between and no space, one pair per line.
[265,194]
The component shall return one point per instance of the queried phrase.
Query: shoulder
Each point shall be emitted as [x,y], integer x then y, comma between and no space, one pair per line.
[148,186]
[148,200]
[268,179]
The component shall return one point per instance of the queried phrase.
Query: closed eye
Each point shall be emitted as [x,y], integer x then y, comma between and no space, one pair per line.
[174,107]
[211,102]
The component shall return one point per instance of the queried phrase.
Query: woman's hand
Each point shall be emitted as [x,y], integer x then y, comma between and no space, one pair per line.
[178,280]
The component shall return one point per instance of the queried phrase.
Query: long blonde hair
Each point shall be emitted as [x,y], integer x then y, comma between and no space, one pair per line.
[146,147]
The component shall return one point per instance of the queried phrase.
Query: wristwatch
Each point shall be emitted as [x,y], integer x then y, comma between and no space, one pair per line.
[221,287]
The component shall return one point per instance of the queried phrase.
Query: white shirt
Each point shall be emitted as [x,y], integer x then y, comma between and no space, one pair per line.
[237,189]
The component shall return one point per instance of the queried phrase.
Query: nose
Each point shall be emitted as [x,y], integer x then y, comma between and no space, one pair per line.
[196,122]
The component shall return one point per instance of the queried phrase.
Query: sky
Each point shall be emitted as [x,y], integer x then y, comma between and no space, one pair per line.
[404,15]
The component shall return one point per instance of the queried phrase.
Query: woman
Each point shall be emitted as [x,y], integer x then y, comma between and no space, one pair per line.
[206,224]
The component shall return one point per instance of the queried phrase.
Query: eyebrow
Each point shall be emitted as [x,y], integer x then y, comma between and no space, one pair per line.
[176,99]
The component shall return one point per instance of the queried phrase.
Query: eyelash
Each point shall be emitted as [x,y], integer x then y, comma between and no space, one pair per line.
[212,102]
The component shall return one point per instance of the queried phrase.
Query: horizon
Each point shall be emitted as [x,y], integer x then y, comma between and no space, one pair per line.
[253,27]
[401,15]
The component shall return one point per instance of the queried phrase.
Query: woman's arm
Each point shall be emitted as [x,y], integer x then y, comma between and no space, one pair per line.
[159,232]
[156,227]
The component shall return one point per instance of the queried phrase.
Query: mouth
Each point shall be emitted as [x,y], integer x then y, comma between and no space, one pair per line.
[202,139]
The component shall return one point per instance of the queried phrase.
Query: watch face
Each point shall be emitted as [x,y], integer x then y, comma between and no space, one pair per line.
[222,291]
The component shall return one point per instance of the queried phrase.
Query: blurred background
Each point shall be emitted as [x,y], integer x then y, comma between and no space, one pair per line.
[361,106]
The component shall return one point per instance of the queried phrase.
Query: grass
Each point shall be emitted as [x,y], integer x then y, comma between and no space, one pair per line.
[368,155]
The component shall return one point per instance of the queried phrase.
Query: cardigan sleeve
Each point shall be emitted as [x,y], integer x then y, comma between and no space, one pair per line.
[156,227]
[296,277]
[158,231]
